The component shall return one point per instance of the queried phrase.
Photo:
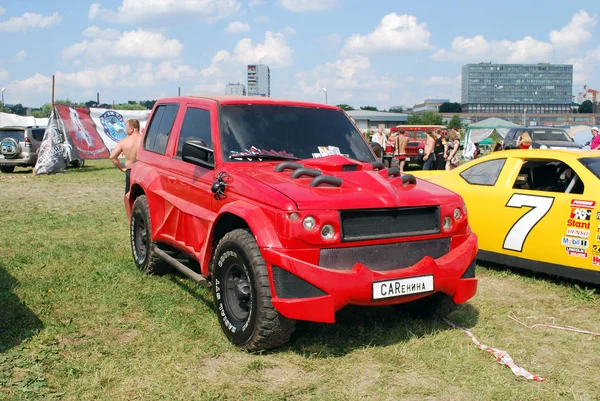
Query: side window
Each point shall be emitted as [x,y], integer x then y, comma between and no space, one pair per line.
[485,173]
[196,125]
[157,134]
[548,176]
[38,134]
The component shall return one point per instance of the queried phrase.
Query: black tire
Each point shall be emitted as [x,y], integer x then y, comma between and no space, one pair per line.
[243,295]
[7,169]
[437,306]
[142,245]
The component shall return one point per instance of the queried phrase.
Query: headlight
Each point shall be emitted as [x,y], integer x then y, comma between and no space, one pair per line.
[457,214]
[327,232]
[447,223]
[421,151]
[294,216]
[309,223]
[542,147]
[465,209]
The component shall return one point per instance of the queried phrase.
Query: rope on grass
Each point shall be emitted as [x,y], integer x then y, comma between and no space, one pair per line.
[502,357]
[552,325]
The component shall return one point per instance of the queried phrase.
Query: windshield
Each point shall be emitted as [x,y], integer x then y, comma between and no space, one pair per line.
[289,132]
[593,164]
[550,135]
[16,134]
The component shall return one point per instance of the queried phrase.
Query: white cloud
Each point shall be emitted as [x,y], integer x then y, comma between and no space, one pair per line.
[164,11]
[348,80]
[261,19]
[300,6]
[28,21]
[4,75]
[254,3]
[577,31]
[2,11]
[395,32]
[96,33]
[442,81]
[128,45]
[212,87]
[288,30]
[237,27]
[584,68]
[477,49]
[20,56]
[274,52]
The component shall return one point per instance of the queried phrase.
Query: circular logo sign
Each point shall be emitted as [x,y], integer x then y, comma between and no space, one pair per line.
[113,124]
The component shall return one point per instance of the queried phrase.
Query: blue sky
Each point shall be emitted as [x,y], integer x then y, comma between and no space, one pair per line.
[379,52]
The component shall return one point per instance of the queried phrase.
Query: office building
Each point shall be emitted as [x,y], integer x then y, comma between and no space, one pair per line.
[235,89]
[259,80]
[432,105]
[517,88]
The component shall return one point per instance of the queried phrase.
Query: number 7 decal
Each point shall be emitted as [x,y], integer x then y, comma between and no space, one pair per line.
[520,230]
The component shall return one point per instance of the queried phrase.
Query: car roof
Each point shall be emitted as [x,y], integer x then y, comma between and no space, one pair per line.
[543,153]
[258,100]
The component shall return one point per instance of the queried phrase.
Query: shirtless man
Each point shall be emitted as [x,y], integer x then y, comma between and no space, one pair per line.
[129,147]
[429,156]
[401,142]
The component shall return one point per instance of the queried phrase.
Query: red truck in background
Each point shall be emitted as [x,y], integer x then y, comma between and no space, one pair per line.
[415,149]
[283,210]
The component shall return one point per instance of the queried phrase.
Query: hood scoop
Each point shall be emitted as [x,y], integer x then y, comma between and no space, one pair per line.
[300,171]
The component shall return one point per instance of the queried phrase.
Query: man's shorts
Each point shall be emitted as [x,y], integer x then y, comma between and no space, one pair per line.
[400,157]
[127,185]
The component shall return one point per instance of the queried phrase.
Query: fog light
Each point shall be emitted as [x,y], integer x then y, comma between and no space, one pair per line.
[457,214]
[465,209]
[309,223]
[421,151]
[447,223]
[294,216]
[327,232]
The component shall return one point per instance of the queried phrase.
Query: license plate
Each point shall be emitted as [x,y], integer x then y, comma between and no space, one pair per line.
[402,286]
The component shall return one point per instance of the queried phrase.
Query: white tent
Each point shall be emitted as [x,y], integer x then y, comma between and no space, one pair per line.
[13,120]
[479,131]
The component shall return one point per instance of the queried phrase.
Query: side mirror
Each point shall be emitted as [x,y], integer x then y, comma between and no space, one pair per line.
[196,151]
[377,149]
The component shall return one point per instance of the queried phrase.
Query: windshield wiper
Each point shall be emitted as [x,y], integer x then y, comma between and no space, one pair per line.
[265,156]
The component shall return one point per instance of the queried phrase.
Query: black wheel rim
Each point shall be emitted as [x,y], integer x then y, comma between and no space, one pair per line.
[238,293]
[140,237]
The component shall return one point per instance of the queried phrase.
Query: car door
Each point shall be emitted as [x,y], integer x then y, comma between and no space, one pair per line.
[190,184]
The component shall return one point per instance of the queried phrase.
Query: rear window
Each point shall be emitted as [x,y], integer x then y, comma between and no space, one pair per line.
[550,135]
[485,173]
[16,134]
[38,134]
[592,164]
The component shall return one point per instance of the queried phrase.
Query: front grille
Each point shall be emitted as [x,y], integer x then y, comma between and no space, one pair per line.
[389,223]
[288,285]
[384,257]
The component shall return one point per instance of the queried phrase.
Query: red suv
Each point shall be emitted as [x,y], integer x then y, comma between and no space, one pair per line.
[415,148]
[282,208]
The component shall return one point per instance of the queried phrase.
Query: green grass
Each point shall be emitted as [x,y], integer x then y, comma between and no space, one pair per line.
[79,322]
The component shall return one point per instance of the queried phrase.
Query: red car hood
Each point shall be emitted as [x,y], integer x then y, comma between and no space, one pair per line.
[360,189]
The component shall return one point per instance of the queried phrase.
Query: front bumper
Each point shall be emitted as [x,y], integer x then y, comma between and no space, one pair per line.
[354,286]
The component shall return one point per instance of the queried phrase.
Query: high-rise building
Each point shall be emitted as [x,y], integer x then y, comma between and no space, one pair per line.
[235,89]
[512,88]
[259,80]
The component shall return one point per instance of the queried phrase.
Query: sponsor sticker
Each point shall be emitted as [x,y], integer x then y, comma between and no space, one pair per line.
[596,260]
[578,224]
[577,252]
[598,216]
[582,243]
[579,213]
[583,203]
[575,232]
[596,249]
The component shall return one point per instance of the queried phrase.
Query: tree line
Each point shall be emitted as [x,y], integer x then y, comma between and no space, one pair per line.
[45,110]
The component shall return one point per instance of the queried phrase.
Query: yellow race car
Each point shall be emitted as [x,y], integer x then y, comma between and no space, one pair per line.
[533,209]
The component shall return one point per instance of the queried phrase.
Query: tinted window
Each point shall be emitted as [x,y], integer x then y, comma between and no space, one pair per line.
[593,164]
[550,135]
[196,125]
[485,173]
[301,132]
[157,135]
[38,134]
[16,134]
[548,176]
